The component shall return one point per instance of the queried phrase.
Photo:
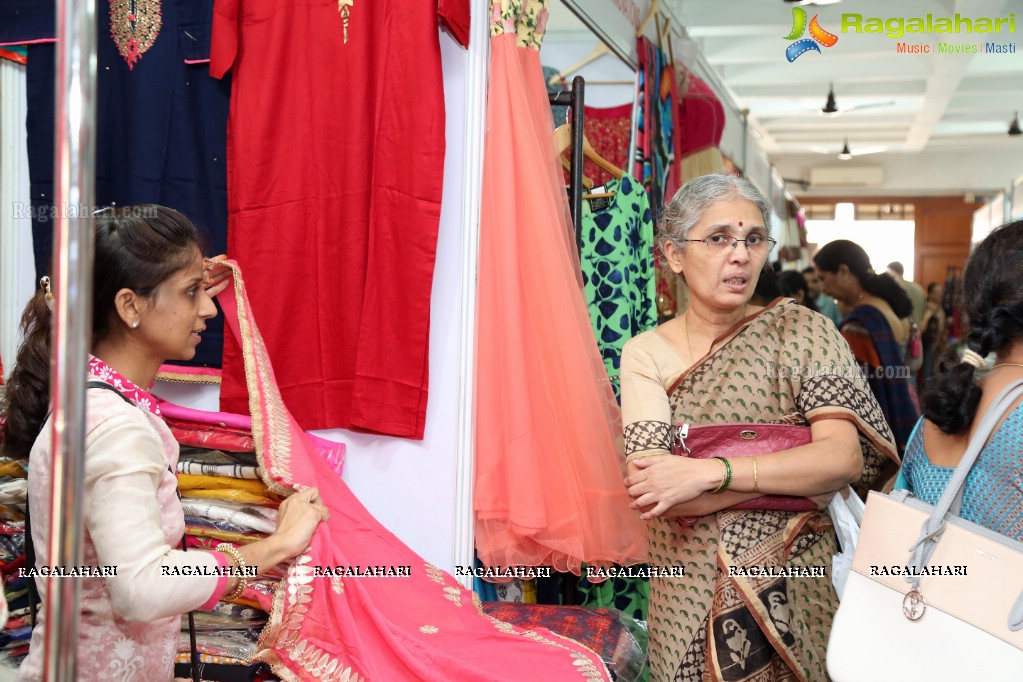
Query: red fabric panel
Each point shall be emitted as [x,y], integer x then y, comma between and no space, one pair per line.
[335,170]
[454,16]
[702,117]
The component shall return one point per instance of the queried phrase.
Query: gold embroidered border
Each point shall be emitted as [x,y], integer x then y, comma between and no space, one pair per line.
[283,632]
[188,378]
[276,448]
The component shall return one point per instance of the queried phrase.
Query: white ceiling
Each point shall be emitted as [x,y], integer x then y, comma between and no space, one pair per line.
[912,102]
[935,109]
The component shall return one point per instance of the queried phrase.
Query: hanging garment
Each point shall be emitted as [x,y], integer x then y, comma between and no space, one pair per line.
[617,260]
[608,130]
[398,628]
[657,143]
[701,125]
[161,121]
[336,153]
[549,487]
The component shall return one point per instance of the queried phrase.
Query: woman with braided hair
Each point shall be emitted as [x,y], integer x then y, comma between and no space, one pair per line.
[993,302]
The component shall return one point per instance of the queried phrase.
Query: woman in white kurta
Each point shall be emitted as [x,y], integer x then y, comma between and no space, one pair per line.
[152,296]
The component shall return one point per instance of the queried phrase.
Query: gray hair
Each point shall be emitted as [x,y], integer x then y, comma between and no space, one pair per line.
[688,205]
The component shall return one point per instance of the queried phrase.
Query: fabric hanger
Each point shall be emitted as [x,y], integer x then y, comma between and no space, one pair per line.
[563,139]
[641,29]
[562,143]
[599,51]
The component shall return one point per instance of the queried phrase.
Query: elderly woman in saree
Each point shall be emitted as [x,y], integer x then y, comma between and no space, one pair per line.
[756,600]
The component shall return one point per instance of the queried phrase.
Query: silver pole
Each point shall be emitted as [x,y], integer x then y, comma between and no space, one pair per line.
[73,238]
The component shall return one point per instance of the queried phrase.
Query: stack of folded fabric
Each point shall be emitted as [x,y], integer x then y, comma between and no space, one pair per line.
[224,500]
[17,631]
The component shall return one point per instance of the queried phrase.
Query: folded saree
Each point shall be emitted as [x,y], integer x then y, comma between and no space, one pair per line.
[227,470]
[421,627]
[232,432]
[247,518]
[203,531]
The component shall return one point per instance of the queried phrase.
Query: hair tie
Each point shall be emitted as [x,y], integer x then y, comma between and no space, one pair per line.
[973,358]
[44,284]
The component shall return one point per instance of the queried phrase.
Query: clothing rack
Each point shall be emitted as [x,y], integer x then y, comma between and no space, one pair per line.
[574,99]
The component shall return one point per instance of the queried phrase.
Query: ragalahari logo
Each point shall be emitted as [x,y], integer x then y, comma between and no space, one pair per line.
[817,35]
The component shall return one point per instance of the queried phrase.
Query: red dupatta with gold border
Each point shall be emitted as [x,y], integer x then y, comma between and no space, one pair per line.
[423,626]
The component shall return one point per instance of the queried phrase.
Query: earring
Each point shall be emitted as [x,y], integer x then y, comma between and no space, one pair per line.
[135,324]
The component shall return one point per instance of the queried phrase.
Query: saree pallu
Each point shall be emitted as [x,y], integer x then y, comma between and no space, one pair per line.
[421,627]
[784,364]
[880,358]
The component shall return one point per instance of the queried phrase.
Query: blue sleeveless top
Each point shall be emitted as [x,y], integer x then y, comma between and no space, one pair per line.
[993,492]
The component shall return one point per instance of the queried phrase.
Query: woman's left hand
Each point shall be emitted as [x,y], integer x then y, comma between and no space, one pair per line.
[665,481]
[215,277]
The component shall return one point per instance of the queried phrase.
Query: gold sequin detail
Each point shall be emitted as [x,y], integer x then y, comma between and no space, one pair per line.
[454,594]
[429,629]
[134,26]
[434,573]
[337,585]
[282,634]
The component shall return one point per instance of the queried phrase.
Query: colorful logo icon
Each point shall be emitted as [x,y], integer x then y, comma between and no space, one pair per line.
[817,35]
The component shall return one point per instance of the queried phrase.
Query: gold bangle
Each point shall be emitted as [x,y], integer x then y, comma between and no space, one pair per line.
[755,488]
[239,561]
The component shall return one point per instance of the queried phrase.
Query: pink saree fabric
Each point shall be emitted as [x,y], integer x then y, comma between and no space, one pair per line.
[385,629]
[549,465]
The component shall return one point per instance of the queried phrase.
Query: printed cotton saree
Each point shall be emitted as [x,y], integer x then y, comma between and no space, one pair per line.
[784,364]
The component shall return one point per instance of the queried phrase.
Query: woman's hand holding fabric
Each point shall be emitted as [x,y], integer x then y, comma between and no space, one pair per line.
[297,520]
[299,515]
[666,481]
[215,277]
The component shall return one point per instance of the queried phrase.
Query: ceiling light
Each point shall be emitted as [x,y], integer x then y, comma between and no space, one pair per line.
[846,153]
[1014,128]
[830,106]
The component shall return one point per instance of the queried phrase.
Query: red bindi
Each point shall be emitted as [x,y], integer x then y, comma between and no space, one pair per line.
[740,223]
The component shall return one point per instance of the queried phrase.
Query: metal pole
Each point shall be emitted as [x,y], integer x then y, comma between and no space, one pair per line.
[73,238]
[576,175]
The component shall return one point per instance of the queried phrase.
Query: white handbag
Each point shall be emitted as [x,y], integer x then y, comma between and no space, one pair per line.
[958,614]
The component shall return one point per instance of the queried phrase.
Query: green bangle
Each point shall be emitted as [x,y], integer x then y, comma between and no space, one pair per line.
[726,480]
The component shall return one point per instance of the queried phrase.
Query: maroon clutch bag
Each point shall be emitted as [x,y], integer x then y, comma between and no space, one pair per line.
[744,440]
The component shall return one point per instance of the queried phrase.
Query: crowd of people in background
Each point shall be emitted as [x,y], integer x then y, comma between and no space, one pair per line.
[927,322]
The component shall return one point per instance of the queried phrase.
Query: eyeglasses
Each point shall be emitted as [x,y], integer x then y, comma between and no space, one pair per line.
[719,243]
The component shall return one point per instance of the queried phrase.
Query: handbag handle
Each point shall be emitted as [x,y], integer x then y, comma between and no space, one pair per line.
[951,498]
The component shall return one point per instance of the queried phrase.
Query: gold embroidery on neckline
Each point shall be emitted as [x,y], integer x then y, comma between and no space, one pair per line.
[342,7]
[134,26]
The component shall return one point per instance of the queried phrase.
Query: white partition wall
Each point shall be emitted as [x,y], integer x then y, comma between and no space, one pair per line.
[17,266]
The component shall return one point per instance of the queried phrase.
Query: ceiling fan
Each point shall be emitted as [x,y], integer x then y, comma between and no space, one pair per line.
[831,107]
[847,153]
